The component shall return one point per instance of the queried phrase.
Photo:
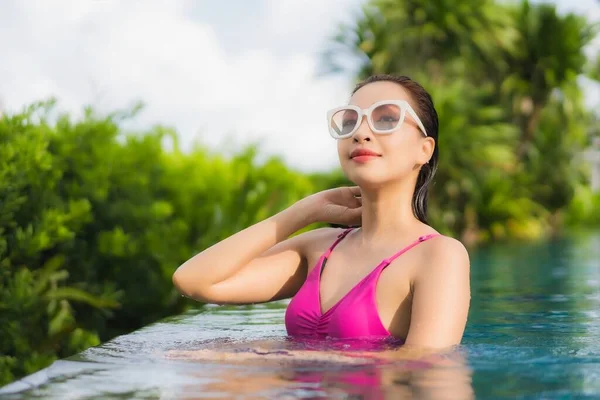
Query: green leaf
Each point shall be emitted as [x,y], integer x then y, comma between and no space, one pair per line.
[78,295]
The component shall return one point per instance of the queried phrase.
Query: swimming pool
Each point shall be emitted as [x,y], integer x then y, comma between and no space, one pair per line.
[533,332]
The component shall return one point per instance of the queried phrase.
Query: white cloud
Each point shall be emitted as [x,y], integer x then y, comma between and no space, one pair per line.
[298,19]
[111,54]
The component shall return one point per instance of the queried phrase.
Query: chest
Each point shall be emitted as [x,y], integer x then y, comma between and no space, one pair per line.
[351,269]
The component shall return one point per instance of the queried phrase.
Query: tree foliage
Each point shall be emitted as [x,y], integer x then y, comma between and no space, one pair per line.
[94,222]
[504,78]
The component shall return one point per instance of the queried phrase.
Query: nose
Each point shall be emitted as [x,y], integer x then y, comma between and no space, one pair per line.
[363,133]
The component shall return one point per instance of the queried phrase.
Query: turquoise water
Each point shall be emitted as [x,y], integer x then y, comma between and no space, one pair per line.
[533,332]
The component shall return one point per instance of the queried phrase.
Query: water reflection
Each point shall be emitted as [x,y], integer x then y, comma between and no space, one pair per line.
[324,376]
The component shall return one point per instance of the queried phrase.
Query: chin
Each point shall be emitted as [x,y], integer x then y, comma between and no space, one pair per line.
[375,175]
[367,177]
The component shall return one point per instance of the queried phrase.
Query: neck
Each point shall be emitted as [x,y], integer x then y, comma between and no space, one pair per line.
[387,212]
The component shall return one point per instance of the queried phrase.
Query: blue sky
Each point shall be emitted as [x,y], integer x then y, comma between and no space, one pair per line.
[222,73]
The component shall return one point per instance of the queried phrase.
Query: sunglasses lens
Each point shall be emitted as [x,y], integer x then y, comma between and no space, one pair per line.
[344,121]
[387,117]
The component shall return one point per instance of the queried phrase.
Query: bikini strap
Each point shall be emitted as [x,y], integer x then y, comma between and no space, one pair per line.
[388,261]
[340,237]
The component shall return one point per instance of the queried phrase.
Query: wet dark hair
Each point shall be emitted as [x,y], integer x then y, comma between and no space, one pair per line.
[425,109]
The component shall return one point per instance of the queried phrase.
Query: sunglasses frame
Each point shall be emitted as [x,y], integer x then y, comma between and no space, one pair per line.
[404,107]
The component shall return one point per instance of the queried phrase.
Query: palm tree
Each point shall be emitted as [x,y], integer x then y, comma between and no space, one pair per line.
[550,56]
[410,37]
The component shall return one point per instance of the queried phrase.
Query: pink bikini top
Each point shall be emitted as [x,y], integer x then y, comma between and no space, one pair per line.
[354,316]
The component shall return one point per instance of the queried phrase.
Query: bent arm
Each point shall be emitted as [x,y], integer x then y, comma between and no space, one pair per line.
[441,297]
[257,264]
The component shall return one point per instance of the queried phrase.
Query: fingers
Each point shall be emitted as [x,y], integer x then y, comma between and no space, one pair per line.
[355,190]
[356,218]
[351,197]
[355,195]
[353,216]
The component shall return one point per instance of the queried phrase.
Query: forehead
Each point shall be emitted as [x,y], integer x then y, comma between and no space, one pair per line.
[377,91]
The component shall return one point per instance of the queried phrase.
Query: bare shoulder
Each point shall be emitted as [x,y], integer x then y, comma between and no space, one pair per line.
[446,246]
[318,239]
[445,255]
[315,242]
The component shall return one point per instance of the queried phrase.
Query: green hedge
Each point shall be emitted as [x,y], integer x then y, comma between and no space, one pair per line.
[93,222]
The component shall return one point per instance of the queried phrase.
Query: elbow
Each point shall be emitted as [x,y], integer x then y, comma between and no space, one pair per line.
[178,281]
[189,287]
[184,284]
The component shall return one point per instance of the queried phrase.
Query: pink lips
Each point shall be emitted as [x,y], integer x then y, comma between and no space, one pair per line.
[363,155]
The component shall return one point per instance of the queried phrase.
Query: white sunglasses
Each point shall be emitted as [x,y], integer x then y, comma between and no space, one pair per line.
[383,117]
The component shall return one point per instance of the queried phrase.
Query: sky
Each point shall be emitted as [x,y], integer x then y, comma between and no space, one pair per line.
[223,74]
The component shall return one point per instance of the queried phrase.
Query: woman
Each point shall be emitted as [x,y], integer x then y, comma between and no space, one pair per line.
[392,276]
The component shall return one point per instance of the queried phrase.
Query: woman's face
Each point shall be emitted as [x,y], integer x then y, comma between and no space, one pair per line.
[399,154]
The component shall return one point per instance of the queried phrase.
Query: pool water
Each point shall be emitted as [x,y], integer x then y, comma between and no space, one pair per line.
[533,332]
